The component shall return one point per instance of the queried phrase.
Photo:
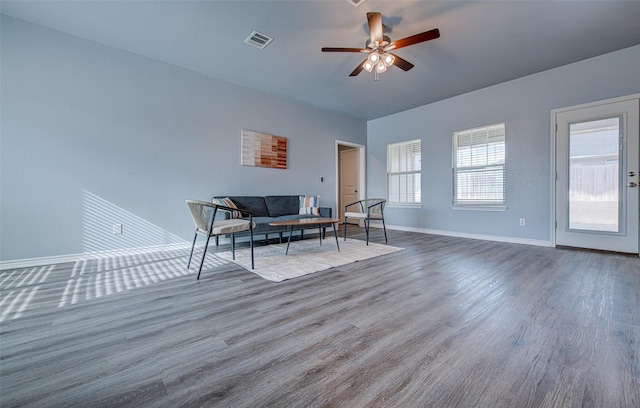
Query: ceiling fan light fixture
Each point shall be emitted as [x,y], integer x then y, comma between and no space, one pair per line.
[388,59]
[368,66]
[381,67]
[373,58]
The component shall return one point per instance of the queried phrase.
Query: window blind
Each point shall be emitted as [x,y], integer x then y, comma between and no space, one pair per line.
[479,165]
[404,167]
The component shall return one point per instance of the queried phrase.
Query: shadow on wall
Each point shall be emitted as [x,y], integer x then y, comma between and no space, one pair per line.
[107,227]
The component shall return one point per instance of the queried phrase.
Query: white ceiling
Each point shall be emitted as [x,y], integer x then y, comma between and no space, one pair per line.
[482,43]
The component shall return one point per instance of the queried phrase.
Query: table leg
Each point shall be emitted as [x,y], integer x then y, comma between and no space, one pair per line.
[335,234]
[320,233]
[289,240]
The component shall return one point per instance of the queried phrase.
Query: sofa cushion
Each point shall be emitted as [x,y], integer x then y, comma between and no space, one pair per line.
[262,225]
[255,204]
[282,205]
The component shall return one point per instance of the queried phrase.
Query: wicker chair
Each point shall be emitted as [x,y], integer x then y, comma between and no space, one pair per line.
[204,218]
[370,209]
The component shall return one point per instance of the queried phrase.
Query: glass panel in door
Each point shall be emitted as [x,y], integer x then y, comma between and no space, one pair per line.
[594,175]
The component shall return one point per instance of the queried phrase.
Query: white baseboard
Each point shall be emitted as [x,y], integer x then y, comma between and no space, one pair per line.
[497,238]
[49,260]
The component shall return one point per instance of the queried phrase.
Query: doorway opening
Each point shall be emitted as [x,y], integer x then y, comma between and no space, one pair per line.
[351,171]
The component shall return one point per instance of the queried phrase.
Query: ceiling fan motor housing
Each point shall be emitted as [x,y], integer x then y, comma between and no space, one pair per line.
[385,41]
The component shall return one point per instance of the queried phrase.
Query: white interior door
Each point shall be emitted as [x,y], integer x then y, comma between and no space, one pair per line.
[597,170]
[349,178]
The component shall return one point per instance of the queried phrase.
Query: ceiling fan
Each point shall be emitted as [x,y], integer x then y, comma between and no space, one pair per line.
[379,45]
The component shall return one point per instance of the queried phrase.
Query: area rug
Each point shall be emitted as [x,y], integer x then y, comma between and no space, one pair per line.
[305,257]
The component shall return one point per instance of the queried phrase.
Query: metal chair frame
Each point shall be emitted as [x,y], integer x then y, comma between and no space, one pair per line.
[210,225]
[368,207]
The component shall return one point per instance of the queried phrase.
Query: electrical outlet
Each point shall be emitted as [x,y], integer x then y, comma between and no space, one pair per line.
[522,222]
[117,229]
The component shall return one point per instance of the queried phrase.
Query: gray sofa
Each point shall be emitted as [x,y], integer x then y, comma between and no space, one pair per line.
[266,209]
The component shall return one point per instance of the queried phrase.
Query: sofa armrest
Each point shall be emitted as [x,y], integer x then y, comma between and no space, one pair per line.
[325,212]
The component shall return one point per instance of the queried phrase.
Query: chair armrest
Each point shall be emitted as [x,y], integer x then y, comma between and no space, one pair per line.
[365,202]
[380,203]
[354,203]
[230,210]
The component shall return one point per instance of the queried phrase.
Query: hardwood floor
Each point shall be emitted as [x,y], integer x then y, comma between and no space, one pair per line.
[448,322]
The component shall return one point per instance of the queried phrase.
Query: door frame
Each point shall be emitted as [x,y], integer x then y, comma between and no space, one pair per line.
[362,164]
[554,136]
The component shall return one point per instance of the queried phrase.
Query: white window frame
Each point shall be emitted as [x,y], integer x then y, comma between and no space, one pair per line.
[484,161]
[404,173]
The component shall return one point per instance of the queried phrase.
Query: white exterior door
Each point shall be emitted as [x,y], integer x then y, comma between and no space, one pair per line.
[597,177]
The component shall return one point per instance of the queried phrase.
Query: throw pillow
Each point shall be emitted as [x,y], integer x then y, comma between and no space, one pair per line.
[310,205]
[227,203]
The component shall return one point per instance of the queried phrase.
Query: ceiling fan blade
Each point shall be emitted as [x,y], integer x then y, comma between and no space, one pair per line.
[414,39]
[337,49]
[402,63]
[375,27]
[358,69]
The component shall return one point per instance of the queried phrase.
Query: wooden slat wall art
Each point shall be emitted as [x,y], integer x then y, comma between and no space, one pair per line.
[263,150]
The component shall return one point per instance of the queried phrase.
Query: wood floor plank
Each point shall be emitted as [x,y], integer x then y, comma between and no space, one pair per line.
[448,322]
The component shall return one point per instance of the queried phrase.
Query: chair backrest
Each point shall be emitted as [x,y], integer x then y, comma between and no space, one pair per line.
[373,203]
[202,213]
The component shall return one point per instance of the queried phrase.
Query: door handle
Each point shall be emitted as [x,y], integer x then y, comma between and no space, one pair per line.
[632,184]
[632,173]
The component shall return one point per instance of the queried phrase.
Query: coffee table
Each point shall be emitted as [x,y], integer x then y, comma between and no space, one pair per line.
[319,221]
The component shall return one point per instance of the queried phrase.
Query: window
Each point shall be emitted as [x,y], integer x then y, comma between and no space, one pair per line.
[404,166]
[478,166]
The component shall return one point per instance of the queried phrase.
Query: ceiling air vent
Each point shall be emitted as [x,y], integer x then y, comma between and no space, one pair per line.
[355,3]
[258,40]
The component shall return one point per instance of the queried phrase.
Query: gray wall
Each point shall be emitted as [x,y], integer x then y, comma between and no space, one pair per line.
[525,106]
[93,136]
